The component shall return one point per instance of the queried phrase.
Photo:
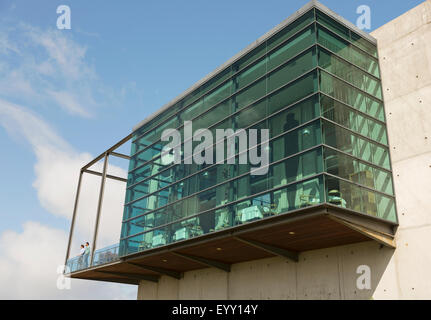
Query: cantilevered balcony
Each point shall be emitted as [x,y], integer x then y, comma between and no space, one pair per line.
[314,83]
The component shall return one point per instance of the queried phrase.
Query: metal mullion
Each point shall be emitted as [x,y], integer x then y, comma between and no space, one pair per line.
[251,125]
[236,112]
[231,77]
[265,75]
[228,204]
[226,181]
[245,151]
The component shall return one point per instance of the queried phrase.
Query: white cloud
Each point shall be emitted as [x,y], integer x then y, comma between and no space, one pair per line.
[28,268]
[31,257]
[6,45]
[63,52]
[48,68]
[68,102]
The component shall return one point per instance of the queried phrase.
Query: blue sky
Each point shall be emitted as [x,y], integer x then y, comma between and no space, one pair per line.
[67,95]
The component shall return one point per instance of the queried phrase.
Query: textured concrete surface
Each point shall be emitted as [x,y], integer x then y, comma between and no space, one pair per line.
[320,274]
[403,273]
[405,61]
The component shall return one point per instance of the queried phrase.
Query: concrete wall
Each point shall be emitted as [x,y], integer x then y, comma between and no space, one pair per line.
[405,61]
[403,273]
[320,274]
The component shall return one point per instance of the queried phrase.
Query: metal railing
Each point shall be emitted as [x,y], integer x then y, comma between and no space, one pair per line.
[101,256]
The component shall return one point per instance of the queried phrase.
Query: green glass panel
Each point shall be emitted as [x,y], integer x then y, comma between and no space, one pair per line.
[354,145]
[216,80]
[338,113]
[291,70]
[295,141]
[250,74]
[350,196]
[192,111]
[251,115]
[296,115]
[343,194]
[386,208]
[217,95]
[211,117]
[251,94]
[158,119]
[344,49]
[349,168]
[364,44]
[296,168]
[353,120]
[290,30]
[297,90]
[350,73]
[249,58]
[383,181]
[381,156]
[291,48]
[341,165]
[377,132]
[333,25]
[349,95]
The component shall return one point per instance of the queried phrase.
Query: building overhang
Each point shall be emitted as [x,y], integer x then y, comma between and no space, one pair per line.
[284,235]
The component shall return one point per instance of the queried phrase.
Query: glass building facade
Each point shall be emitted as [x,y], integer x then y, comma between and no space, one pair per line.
[315,84]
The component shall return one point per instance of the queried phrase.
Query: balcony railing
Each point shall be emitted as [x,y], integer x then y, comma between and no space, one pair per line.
[101,256]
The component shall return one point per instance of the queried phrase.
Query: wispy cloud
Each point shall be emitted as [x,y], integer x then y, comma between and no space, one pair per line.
[68,102]
[49,69]
[6,46]
[62,51]
[39,70]
[56,169]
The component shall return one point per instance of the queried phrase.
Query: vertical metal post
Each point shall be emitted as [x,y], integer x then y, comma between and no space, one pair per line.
[99,206]
[75,209]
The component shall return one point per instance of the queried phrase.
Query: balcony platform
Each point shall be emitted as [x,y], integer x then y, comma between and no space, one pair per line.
[285,235]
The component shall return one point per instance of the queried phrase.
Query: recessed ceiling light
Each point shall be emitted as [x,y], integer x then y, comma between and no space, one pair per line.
[291,232]
[164,260]
[219,249]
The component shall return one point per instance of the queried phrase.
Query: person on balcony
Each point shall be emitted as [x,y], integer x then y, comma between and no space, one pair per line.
[81,256]
[86,254]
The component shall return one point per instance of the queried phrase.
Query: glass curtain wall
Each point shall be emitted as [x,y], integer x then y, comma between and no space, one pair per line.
[315,85]
[356,153]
